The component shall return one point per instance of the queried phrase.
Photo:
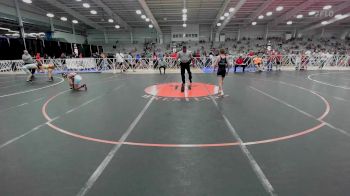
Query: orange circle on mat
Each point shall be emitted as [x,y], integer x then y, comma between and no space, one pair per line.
[174,90]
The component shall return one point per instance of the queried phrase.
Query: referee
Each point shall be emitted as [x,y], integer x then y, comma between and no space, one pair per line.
[185,61]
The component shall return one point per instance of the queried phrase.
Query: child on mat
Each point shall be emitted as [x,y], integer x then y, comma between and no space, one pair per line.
[74,81]
[48,67]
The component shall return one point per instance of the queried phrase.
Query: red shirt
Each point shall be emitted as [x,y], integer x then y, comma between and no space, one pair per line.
[174,55]
[37,57]
[239,61]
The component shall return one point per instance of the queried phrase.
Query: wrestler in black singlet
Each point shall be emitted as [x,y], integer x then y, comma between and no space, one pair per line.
[222,67]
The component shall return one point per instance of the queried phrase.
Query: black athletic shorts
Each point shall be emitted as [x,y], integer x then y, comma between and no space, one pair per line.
[221,72]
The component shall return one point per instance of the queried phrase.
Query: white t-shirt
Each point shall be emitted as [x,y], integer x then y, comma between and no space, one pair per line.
[184,57]
[120,57]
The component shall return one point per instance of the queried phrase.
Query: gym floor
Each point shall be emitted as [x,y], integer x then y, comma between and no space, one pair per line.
[277,133]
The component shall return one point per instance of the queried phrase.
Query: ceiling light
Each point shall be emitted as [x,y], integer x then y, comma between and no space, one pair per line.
[312,13]
[279,8]
[50,15]
[231,9]
[184,19]
[93,12]
[219,24]
[150,26]
[117,26]
[86,5]
[147,20]
[64,19]
[5,29]
[143,17]
[254,23]
[341,16]
[184,25]
[327,7]
[110,20]
[27,1]
[78,0]
[300,16]
[75,21]
[138,12]
[338,16]
[268,13]
[184,15]
[222,18]
[226,14]
[289,22]
[184,11]
[261,17]
[324,22]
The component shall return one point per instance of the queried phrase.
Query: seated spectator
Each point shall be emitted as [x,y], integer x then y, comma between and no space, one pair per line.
[239,63]
[258,63]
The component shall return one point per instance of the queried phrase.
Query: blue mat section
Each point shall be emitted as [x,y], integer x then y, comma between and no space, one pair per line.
[238,69]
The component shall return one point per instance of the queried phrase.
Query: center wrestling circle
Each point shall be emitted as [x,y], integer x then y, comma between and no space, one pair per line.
[171,91]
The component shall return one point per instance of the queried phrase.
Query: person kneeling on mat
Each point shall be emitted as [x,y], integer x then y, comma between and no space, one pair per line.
[74,81]
[185,58]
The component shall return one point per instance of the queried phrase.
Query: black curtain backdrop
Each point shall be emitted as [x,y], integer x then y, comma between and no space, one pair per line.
[5,49]
[12,48]
[87,51]
[100,49]
[16,49]
[94,48]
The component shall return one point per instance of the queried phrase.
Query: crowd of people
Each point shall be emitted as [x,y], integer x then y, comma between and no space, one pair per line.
[277,51]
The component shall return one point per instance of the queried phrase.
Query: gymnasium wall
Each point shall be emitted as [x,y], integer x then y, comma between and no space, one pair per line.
[69,37]
[140,35]
[204,32]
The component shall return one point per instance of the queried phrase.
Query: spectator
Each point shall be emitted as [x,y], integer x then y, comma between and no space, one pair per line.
[258,63]
[239,63]
[120,60]
[155,60]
